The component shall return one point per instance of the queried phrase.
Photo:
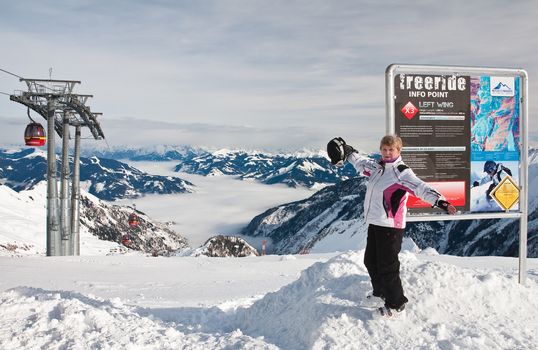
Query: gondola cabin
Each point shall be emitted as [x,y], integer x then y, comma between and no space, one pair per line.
[125,240]
[34,135]
[133,220]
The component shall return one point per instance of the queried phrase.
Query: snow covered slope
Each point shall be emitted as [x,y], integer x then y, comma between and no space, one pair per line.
[271,302]
[332,213]
[23,229]
[331,220]
[23,217]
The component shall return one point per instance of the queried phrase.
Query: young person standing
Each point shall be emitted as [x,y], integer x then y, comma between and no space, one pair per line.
[385,209]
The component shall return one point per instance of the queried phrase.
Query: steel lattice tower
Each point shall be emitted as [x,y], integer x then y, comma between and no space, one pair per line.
[55,101]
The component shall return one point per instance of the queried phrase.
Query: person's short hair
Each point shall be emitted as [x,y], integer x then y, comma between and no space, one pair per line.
[391,140]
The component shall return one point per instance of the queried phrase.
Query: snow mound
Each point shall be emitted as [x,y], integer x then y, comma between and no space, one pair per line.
[429,251]
[68,320]
[449,307]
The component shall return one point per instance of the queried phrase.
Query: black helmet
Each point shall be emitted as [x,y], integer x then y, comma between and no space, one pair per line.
[335,150]
[490,166]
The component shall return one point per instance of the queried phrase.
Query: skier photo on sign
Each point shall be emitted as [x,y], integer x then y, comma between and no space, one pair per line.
[495,172]
[385,208]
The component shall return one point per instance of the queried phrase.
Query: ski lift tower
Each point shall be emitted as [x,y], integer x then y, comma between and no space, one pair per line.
[55,101]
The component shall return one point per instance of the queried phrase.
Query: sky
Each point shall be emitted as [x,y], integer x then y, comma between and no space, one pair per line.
[277,75]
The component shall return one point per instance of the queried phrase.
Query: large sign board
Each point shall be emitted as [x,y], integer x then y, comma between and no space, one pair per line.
[464,131]
[433,119]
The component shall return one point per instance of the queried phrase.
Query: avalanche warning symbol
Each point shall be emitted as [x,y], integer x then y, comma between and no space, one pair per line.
[506,193]
[409,110]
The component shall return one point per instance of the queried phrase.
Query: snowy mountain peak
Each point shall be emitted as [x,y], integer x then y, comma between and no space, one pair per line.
[311,172]
[222,152]
[223,246]
[107,178]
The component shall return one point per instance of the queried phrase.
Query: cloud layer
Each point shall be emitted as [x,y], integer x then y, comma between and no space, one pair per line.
[282,72]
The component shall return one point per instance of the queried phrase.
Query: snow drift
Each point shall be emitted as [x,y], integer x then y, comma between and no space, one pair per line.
[450,307]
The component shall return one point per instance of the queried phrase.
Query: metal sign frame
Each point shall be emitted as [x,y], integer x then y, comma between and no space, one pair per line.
[522,213]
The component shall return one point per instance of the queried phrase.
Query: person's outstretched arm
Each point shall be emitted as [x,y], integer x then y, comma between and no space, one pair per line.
[424,191]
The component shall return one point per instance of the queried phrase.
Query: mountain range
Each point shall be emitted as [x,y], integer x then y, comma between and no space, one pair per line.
[107,179]
[24,171]
[307,170]
[310,169]
[332,214]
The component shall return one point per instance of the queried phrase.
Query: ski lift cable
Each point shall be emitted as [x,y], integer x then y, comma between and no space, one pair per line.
[18,76]
[15,75]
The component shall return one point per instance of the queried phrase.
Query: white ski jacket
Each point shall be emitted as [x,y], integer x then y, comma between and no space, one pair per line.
[500,173]
[388,188]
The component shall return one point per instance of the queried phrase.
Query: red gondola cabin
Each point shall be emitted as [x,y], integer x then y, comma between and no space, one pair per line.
[133,220]
[34,135]
[125,240]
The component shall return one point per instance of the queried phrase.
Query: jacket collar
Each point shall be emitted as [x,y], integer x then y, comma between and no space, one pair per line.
[390,162]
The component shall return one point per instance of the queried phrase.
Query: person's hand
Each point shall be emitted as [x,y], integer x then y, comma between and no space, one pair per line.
[446,206]
[338,151]
[348,150]
[335,151]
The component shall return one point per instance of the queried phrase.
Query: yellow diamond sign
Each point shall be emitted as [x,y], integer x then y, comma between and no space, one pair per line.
[506,193]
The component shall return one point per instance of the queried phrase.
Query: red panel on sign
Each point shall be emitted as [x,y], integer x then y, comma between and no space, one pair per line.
[453,191]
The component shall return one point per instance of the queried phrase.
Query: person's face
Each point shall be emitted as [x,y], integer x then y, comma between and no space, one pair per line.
[389,152]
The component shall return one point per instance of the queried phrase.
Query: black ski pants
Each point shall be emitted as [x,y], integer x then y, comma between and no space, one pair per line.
[381,260]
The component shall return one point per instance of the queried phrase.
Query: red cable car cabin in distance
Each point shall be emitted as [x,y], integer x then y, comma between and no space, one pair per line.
[133,220]
[34,135]
[125,240]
